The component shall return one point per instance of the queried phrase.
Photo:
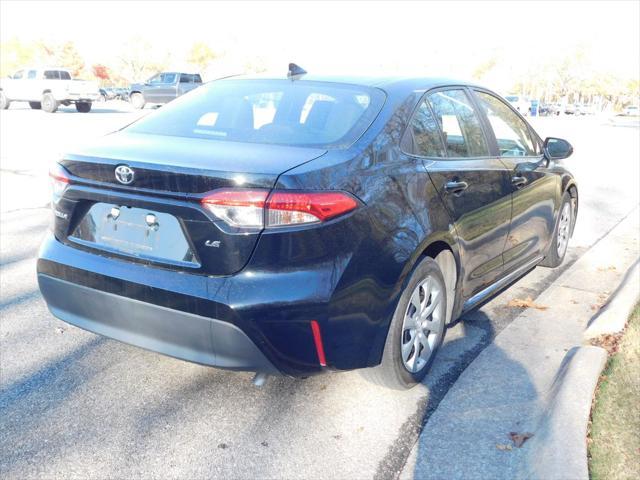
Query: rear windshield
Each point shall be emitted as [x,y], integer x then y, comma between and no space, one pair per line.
[303,113]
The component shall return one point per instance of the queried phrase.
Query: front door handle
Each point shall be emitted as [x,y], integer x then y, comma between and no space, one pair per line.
[455,187]
[519,181]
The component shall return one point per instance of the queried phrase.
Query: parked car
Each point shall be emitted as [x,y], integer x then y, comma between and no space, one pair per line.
[631,110]
[520,103]
[47,89]
[107,93]
[297,225]
[163,87]
[584,109]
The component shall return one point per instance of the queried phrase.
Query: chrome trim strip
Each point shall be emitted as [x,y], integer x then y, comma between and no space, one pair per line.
[487,292]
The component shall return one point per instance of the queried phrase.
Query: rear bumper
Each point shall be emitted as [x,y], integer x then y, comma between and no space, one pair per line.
[183,335]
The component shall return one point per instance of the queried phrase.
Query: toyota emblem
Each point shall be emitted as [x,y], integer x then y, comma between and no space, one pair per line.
[124,174]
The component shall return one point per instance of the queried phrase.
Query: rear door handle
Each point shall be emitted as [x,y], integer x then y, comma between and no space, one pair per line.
[455,187]
[519,181]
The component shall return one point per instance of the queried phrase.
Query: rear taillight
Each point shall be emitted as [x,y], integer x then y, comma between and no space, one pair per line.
[59,181]
[256,208]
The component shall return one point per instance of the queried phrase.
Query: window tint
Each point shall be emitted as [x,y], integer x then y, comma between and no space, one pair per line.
[459,123]
[512,134]
[168,77]
[197,78]
[186,78]
[51,75]
[64,75]
[423,136]
[282,112]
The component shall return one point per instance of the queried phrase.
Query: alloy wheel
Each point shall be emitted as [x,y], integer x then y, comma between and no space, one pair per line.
[422,327]
[564,227]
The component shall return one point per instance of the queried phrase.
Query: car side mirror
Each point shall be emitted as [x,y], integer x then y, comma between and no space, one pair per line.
[557,148]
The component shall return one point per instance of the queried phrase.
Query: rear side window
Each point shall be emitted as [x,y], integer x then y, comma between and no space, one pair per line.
[51,75]
[186,78]
[65,75]
[423,135]
[512,134]
[303,113]
[197,78]
[459,123]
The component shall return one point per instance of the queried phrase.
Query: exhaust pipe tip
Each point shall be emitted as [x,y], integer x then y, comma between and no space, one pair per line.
[260,379]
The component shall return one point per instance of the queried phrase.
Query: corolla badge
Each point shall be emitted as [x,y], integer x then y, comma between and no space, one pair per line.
[124,174]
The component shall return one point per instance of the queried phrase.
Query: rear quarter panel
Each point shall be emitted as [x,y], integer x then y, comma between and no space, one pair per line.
[401,214]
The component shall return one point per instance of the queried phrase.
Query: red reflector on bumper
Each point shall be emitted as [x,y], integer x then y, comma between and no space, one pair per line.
[317,339]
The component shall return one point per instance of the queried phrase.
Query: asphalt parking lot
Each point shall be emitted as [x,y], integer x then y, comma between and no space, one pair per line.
[76,405]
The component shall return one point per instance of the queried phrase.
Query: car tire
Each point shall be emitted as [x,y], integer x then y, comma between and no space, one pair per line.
[137,100]
[561,234]
[49,103]
[83,107]
[404,360]
[35,105]
[4,101]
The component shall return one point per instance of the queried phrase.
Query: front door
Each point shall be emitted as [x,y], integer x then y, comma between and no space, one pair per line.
[534,188]
[473,185]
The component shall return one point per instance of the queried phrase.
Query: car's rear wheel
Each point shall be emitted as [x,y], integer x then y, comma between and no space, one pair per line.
[4,101]
[137,100]
[83,107]
[561,234]
[417,329]
[35,105]
[49,103]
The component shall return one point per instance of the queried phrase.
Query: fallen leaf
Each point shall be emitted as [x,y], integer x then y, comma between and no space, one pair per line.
[59,330]
[607,269]
[526,303]
[503,447]
[574,302]
[519,438]
[222,445]
[265,444]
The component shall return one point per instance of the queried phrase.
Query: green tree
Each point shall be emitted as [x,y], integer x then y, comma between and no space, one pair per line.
[201,56]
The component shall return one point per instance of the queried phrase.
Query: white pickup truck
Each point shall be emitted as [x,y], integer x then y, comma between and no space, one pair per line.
[47,89]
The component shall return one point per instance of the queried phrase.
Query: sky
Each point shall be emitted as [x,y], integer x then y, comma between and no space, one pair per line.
[435,38]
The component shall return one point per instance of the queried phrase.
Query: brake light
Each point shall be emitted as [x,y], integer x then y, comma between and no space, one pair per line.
[59,181]
[256,208]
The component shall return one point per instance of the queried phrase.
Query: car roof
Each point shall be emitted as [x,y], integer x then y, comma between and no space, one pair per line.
[396,83]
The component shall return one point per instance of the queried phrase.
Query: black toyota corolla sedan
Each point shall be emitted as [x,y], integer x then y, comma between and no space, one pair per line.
[302,224]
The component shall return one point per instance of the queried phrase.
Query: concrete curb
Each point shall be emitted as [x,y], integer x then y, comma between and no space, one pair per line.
[559,449]
[536,377]
[613,316]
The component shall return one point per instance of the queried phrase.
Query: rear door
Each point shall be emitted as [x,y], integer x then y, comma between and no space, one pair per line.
[473,185]
[533,186]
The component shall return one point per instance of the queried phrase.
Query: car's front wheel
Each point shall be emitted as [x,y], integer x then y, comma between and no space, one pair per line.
[417,329]
[4,101]
[49,103]
[83,107]
[561,234]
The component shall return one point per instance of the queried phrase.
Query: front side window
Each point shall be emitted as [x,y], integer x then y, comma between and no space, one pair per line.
[302,113]
[31,74]
[512,134]
[459,123]
[423,135]
[168,78]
